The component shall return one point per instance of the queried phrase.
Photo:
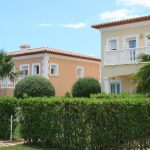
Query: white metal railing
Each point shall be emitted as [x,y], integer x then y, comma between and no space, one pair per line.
[6,83]
[124,56]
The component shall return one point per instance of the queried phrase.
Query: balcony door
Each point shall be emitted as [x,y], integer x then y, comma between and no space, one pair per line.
[147,43]
[115,87]
[130,44]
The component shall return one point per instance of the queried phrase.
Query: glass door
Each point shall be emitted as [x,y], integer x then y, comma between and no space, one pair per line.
[115,87]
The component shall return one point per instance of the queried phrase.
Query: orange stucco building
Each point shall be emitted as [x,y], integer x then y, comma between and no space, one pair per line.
[62,68]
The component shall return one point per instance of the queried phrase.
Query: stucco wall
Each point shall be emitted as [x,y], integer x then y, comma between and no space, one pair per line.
[6,92]
[68,73]
[109,71]
[120,33]
[28,61]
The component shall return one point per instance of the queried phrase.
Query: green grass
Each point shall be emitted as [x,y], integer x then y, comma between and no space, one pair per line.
[25,147]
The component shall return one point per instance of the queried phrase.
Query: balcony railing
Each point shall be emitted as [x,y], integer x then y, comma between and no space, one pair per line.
[6,83]
[124,56]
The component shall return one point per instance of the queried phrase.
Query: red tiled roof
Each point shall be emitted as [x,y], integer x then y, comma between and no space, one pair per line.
[32,51]
[121,22]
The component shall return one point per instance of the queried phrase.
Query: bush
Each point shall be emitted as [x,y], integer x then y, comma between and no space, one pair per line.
[34,86]
[121,95]
[86,86]
[73,123]
[80,123]
[7,108]
[68,94]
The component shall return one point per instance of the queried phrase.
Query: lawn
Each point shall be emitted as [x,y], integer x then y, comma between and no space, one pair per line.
[25,147]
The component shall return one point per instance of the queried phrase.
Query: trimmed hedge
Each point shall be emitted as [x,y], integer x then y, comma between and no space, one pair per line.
[94,124]
[84,87]
[79,124]
[34,86]
[7,108]
[121,95]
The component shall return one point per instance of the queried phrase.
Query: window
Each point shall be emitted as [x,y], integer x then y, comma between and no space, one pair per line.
[25,70]
[115,87]
[147,43]
[80,72]
[131,42]
[112,43]
[147,40]
[54,69]
[36,69]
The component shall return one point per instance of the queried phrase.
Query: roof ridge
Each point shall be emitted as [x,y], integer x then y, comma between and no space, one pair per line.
[53,51]
[71,52]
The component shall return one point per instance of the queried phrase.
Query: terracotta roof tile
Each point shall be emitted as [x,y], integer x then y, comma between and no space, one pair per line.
[32,51]
[121,22]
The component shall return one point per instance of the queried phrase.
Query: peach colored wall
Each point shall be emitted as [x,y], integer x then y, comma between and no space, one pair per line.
[67,72]
[6,92]
[30,62]
[68,76]
[9,91]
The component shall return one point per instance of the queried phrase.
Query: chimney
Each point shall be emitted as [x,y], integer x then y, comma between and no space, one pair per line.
[24,47]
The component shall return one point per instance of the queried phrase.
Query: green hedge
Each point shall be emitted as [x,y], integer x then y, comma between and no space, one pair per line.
[94,124]
[7,108]
[80,124]
[114,96]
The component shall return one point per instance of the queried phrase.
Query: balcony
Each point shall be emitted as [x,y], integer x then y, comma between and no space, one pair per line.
[124,56]
[7,84]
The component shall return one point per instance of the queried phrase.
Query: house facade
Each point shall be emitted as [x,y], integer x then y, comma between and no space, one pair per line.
[62,68]
[121,43]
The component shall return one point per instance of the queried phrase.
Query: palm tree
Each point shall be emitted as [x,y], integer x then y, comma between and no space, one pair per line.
[143,75]
[6,67]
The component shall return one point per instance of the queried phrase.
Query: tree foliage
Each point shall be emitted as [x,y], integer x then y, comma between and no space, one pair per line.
[85,87]
[6,67]
[143,75]
[34,86]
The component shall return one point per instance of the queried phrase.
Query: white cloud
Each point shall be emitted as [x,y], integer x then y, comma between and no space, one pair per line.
[74,26]
[44,25]
[117,15]
[145,3]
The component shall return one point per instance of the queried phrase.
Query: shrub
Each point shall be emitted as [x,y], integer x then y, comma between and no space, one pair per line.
[80,123]
[7,108]
[85,86]
[121,95]
[34,86]
[73,123]
[68,94]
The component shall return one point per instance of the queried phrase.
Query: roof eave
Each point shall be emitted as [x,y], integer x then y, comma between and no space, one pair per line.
[46,51]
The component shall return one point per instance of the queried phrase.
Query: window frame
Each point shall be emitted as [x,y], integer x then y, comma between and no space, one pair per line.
[57,69]
[115,82]
[36,64]
[28,68]
[108,40]
[136,36]
[80,67]
[146,40]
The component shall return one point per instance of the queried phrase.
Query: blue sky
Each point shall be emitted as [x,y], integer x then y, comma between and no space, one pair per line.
[62,24]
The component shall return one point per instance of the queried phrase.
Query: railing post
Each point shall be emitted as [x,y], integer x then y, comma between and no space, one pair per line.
[11,127]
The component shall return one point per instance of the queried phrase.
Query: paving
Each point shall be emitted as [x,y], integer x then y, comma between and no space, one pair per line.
[10,143]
